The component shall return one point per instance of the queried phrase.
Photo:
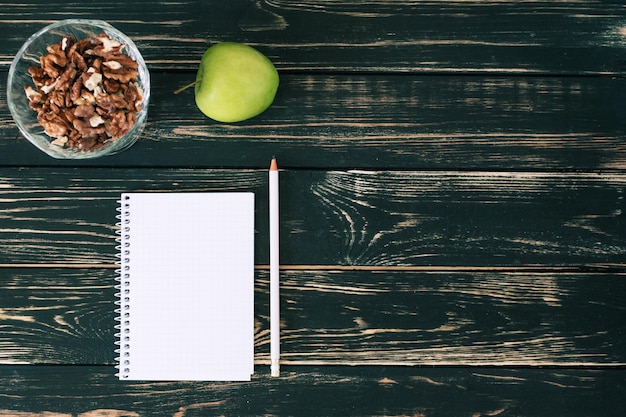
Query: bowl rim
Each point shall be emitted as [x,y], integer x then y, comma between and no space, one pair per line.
[137,56]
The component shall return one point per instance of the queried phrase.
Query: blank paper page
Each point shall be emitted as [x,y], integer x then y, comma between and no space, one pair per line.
[187,286]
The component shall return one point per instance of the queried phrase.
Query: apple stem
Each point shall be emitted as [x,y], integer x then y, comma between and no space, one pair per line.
[183,88]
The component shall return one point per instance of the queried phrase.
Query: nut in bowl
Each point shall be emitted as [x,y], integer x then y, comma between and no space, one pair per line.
[79,89]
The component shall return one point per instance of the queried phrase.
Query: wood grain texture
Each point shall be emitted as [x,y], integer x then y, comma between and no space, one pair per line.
[377,218]
[388,122]
[330,391]
[66,316]
[386,218]
[452,203]
[538,37]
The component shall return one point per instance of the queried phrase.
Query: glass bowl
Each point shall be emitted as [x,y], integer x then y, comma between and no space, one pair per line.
[29,55]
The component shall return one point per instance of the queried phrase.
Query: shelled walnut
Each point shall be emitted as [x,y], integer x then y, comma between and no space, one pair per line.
[86,92]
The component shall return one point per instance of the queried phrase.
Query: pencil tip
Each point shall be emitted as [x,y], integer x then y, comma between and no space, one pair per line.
[274,165]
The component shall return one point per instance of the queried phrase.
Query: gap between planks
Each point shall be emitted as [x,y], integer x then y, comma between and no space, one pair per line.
[367,268]
[452,364]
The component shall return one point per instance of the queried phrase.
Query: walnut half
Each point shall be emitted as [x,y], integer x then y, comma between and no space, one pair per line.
[86,92]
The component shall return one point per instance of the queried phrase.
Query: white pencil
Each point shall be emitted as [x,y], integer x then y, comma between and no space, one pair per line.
[274,271]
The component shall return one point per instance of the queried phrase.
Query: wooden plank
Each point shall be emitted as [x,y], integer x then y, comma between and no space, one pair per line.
[46,391]
[557,37]
[66,316]
[364,218]
[463,218]
[366,121]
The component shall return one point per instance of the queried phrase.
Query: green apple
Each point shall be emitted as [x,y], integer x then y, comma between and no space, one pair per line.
[234,82]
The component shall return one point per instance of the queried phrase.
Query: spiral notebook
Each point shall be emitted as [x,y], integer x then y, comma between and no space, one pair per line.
[186,286]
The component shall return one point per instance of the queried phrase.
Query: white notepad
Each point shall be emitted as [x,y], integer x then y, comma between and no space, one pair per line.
[186,300]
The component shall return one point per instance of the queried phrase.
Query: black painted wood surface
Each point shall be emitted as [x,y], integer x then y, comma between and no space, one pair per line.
[372,318]
[475,36]
[337,218]
[452,210]
[377,121]
[329,391]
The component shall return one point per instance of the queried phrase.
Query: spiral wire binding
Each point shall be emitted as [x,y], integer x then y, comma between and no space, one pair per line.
[122,312]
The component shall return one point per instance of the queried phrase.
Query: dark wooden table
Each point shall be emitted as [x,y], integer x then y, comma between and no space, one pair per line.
[453,210]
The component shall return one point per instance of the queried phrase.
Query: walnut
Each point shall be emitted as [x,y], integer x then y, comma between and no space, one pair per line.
[36,74]
[96,64]
[107,45]
[133,95]
[57,98]
[123,75]
[121,122]
[76,89]
[96,120]
[109,103]
[111,86]
[84,111]
[91,79]
[85,92]
[34,97]
[46,88]
[54,124]
[121,61]
[113,65]
[66,79]
[120,67]
[84,127]
[60,141]
[83,45]
[85,98]
[77,59]
[67,42]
